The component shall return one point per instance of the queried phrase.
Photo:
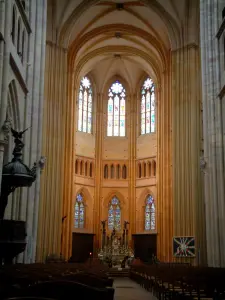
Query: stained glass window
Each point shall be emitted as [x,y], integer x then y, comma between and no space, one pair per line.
[85,106]
[79,212]
[116,110]
[114,214]
[148,107]
[150,213]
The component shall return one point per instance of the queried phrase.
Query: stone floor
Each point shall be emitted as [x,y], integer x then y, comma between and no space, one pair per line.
[126,289]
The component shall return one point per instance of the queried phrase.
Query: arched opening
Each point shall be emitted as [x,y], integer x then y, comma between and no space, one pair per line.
[18,38]
[79,212]
[139,170]
[149,213]
[124,172]
[106,171]
[144,169]
[118,171]
[86,169]
[114,214]
[23,46]
[112,171]
[81,168]
[13,33]
[91,169]
[116,110]
[76,167]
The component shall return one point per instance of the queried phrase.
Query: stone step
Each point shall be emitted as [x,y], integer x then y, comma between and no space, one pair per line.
[117,272]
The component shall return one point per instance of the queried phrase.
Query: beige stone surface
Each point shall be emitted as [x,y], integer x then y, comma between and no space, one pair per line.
[126,289]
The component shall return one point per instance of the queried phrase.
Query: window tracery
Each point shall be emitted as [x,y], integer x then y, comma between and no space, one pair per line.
[148,107]
[79,212]
[85,106]
[116,110]
[114,214]
[149,213]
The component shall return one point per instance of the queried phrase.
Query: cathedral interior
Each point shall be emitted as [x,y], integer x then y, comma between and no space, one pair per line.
[123,101]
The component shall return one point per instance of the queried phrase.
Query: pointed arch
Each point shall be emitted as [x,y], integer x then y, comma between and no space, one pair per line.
[19,37]
[124,172]
[86,169]
[91,169]
[139,170]
[23,46]
[81,167]
[112,171]
[13,32]
[154,168]
[79,211]
[144,169]
[13,105]
[149,169]
[106,172]
[76,166]
[147,116]
[85,105]
[149,213]
[114,214]
[118,171]
[116,110]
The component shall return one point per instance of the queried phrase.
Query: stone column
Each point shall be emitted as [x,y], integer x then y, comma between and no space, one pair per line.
[186,145]
[5,29]
[164,201]
[98,167]
[57,146]
[131,170]
[29,208]
[213,132]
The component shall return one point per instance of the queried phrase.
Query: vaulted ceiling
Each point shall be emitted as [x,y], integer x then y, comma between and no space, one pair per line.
[123,37]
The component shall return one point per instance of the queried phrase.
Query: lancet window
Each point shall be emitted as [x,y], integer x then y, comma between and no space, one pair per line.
[79,212]
[116,110]
[114,214]
[150,213]
[85,106]
[148,107]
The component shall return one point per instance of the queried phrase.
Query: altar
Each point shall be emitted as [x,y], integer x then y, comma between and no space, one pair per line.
[115,248]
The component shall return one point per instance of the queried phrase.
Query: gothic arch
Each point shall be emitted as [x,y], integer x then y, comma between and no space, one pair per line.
[172,24]
[13,106]
[144,194]
[151,59]
[87,195]
[109,197]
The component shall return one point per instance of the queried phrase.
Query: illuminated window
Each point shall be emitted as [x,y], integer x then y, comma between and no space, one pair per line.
[148,107]
[79,212]
[149,213]
[114,214]
[116,110]
[85,106]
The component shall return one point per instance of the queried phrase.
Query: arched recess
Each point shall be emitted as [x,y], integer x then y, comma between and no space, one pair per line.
[106,171]
[106,201]
[19,29]
[13,33]
[23,49]
[141,200]
[124,172]
[88,200]
[151,60]
[13,208]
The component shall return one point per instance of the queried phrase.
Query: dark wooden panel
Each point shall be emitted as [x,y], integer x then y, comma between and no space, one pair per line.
[82,246]
[145,246]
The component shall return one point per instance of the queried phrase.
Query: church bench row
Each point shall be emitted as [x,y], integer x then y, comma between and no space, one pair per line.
[181,282]
[51,281]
